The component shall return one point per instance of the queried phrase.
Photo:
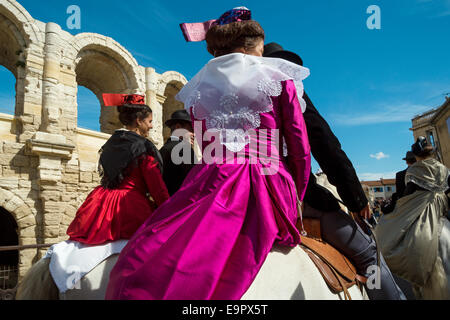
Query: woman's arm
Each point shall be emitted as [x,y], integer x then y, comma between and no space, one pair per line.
[296,137]
[154,180]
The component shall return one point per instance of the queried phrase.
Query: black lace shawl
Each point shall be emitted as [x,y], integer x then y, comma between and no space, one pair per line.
[121,153]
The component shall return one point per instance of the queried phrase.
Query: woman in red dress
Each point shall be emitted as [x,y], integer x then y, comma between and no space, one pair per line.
[130,166]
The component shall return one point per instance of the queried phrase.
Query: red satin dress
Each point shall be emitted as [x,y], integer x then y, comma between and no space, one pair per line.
[113,214]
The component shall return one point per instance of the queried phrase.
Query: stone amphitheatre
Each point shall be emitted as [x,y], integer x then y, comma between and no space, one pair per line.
[48,164]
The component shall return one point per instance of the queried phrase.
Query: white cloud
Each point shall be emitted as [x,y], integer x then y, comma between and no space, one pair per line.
[369,176]
[161,17]
[380,155]
[431,8]
[383,114]
[153,61]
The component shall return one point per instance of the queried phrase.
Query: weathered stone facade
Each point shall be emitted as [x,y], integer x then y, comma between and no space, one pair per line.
[47,164]
[435,126]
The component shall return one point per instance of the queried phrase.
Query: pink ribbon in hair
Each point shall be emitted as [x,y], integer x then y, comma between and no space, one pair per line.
[196,31]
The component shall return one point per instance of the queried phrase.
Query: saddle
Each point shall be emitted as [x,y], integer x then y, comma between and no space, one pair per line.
[338,272]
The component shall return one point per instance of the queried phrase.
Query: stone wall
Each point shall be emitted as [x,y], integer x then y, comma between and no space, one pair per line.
[47,164]
[443,133]
[435,122]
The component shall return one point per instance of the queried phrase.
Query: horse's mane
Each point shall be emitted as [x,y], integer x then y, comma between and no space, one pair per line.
[38,283]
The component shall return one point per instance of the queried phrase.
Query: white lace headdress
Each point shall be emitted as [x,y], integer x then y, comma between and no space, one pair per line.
[231,91]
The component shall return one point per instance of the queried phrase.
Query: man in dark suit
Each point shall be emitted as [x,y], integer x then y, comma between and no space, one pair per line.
[326,149]
[399,184]
[400,176]
[181,130]
[338,228]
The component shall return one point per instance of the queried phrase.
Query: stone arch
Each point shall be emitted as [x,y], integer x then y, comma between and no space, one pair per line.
[9,81]
[103,66]
[9,260]
[19,34]
[12,43]
[25,24]
[27,227]
[169,85]
[22,213]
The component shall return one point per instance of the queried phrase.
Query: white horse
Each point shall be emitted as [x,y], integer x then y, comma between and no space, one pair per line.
[287,274]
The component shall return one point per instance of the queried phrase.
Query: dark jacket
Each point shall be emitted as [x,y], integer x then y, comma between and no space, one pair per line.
[399,192]
[326,149]
[174,174]
[400,183]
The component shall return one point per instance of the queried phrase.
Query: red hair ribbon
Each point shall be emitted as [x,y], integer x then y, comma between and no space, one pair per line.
[114,99]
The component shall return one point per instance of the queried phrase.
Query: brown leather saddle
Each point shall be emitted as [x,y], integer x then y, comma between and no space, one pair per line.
[338,272]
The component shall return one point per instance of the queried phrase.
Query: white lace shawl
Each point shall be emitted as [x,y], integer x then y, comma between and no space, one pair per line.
[231,91]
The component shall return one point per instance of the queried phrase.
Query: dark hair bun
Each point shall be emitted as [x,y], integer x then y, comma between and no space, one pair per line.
[128,113]
[224,39]
[421,148]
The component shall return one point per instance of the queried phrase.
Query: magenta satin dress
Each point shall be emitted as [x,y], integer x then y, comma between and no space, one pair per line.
[209,240]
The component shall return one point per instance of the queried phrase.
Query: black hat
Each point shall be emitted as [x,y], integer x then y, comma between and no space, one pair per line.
[178,116]
[409,156]
[274,50]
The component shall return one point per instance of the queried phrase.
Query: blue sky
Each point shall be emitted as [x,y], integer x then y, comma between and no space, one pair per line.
[367,84]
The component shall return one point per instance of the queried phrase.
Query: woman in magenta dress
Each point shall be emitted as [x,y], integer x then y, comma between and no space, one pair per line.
[209,240]
[130,166]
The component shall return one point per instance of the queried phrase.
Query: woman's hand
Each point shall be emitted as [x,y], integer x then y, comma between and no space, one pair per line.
[188,137]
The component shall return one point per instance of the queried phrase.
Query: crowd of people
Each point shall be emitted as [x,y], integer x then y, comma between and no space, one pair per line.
[209,226]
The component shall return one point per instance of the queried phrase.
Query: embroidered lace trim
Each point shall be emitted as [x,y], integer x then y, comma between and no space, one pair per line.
[230,100]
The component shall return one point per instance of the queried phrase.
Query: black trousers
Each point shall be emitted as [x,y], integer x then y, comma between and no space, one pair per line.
[342,232]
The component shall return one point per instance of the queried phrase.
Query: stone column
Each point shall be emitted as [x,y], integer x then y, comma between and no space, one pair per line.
[29,92]
[51,149]
[49,144]
[109,117]
[52,60]
[151,80]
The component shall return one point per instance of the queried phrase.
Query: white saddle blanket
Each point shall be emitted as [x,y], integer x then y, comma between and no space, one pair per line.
[72,260]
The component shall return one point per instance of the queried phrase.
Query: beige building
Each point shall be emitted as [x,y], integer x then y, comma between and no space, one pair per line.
[48,164]
[380,189]
[435,126]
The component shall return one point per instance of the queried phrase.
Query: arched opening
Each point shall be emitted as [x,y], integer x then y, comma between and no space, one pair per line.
[100,72]
[11,56]
[9,260]
[88,109]
[171,104]
[7,91]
